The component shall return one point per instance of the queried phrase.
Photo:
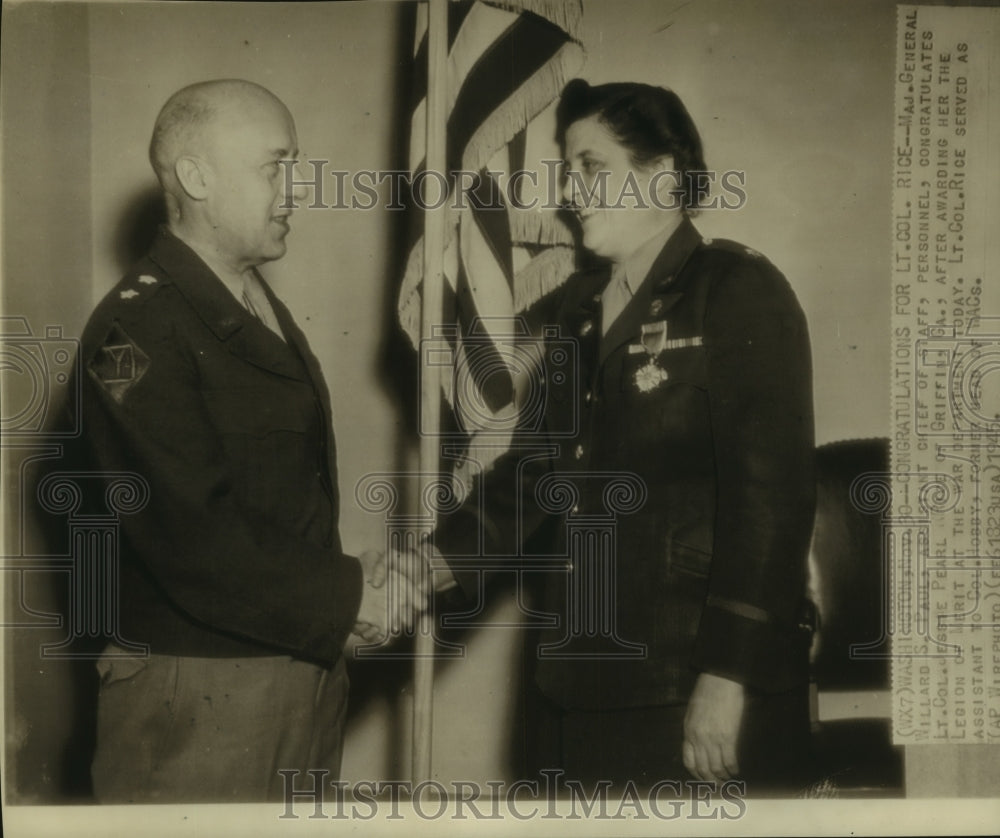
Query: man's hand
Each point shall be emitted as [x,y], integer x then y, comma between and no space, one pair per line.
[374,566]
[390,600]
[373,602]
[712,728]
[416,564]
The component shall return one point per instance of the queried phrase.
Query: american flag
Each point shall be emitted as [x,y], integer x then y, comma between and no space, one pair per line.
[507,62]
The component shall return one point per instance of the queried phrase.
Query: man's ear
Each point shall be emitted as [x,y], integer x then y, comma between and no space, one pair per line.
[193,176]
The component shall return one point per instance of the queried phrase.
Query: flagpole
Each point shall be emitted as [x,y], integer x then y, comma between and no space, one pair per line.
[430,376]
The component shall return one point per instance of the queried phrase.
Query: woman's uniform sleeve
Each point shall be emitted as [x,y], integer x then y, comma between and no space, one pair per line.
[760,391]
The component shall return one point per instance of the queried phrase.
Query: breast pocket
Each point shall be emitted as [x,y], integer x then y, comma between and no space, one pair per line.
[259,412]
[270,442]
[644,373]
[663,401]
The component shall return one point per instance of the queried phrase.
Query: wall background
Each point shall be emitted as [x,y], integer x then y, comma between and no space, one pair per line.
[798,95]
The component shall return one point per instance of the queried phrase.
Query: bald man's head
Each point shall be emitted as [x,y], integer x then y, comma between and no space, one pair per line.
[220,150]
[188,121]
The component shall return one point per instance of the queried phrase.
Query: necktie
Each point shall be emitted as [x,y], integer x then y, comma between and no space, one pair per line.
[616,296]
[255,301]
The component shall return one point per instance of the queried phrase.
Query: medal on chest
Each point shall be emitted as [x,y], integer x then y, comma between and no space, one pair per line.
[652,340]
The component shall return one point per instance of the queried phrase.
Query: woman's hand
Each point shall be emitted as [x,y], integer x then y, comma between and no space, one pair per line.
[712,728]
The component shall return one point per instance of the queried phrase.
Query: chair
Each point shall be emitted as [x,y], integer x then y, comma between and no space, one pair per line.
[852,725]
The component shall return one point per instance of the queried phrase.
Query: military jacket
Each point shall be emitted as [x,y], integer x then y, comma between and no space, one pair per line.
[690,423]
[237,550]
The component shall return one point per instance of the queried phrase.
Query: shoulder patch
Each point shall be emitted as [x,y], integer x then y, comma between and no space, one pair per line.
[118,364]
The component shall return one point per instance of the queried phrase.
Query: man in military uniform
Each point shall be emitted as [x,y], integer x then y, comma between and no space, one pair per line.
[197,379]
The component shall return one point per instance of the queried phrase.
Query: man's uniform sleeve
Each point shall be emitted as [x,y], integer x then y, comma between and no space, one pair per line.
[760,390]
[223,565]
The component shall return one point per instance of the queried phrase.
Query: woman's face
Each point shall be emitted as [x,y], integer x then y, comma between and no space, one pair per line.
[609,193]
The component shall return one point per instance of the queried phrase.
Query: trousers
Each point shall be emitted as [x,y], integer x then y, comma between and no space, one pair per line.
[212,730]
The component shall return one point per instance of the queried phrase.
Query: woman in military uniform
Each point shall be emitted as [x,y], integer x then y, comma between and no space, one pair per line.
[693,391]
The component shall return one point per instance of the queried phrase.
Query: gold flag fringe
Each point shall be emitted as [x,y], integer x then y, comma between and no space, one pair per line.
[523,105]
[409,304]
[542,275]
[535,226]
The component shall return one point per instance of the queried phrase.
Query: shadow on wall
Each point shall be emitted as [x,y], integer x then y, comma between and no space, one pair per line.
[52,696]
[140,218]
[52,683]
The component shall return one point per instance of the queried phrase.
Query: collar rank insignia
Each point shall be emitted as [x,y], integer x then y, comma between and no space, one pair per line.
[655,307]
[118,364]
[146,279]
[129,293]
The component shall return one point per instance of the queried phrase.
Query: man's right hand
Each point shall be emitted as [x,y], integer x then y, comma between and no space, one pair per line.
[390,603]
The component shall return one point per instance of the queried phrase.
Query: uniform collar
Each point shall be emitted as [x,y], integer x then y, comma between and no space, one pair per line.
[658,291]
[639,263]
[209,295]
[223,313]
[671,258]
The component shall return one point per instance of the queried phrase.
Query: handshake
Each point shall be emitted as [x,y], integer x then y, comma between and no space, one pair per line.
[397,591]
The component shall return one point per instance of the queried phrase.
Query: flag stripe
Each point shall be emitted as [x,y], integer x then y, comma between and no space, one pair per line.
[457,13]
[486,287]
[493,223]
[472,27]
[484,363]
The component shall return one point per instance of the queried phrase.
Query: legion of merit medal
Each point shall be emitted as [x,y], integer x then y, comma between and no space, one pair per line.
[654,340]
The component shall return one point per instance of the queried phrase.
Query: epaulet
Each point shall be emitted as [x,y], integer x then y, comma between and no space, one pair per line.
[729,246]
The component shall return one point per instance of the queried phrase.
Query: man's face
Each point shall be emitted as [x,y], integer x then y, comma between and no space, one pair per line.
[247,187]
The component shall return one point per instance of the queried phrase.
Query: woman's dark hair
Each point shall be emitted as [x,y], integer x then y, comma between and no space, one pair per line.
[649,121]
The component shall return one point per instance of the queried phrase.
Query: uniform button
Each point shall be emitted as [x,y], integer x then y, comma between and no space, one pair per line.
[588,396]
[575,509]
[579,451]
